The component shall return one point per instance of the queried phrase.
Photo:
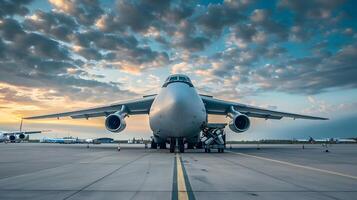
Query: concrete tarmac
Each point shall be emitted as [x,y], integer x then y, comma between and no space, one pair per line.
[72,171]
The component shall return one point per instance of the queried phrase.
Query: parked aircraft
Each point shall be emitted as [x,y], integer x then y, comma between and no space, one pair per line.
[16,136]
[178,114]
[327,140]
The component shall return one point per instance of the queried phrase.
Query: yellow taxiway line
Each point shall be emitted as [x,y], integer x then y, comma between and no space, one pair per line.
[181,185]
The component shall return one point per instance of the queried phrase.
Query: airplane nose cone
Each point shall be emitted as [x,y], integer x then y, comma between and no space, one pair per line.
[177,112]
[178,101]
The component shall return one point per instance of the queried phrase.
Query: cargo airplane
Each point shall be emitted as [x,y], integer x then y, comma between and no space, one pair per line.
[16,136]
[178,114]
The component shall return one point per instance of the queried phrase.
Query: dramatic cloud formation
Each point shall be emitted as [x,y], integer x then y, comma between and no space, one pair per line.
[80,53]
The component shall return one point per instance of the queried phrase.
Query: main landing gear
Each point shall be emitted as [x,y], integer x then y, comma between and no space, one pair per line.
[162,145]
[153,144]
[174,143]
[213,137]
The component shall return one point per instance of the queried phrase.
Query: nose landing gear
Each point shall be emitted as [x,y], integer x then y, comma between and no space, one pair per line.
[162,145]
[172,145]
[181,145]
[177,142]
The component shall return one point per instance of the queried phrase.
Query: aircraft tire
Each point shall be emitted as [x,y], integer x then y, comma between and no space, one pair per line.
[172,145]
[162,145]
[153,145]
[181,145]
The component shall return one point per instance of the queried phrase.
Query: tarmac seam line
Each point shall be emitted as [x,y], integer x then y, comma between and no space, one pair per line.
[296,165]
[112,172]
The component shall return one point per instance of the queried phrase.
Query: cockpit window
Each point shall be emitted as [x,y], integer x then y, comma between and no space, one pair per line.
[178,78]
[173,78]
[181,78]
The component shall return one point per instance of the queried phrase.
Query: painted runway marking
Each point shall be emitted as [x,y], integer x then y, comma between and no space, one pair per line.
[296,165]
[181,185]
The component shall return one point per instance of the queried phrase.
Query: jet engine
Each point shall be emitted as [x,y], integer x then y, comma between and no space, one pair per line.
[22,136]
[239,123]
[115,122]
[12,137]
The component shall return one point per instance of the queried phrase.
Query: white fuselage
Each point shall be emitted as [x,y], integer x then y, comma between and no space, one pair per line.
[177,111]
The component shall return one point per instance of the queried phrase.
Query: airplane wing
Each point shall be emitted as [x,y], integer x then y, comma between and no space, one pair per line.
[221,107]
[132,107]
[31,132]
[19,132]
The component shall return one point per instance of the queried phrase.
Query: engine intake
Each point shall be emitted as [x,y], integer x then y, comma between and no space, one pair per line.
[115,122]
[12,137]
[239,123]
[22,136]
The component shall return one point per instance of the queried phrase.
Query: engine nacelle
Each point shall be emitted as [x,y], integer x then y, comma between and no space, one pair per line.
[115,122]
[239,123]
[12,137]
[22,136]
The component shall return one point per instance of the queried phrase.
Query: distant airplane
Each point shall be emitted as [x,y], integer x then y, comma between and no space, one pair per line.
[327,140]
[59,140]
[16,136]
[178,114]
[344,140]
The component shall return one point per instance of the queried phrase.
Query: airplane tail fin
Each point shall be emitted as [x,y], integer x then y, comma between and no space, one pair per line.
[21,125]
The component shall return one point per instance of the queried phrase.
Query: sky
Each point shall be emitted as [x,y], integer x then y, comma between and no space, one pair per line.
[295,56]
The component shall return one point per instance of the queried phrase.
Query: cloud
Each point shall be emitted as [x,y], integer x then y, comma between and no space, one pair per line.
[218,16]
[85,12]
[244,34]
[140,16]
[311,75]
[56,24]
[11,95]
[10,8]
[182,67]
[58,47]
[33,60]
[314,9]
[263,18]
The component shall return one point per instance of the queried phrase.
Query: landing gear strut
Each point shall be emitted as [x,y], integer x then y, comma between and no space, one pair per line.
[162,145]
[190,145]
[177,142]
[153,144]
[172,145]
[181,145]
[213,137]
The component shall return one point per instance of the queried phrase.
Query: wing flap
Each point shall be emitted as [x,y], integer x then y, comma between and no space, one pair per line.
[91,115]
[263,116]
[31,132]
